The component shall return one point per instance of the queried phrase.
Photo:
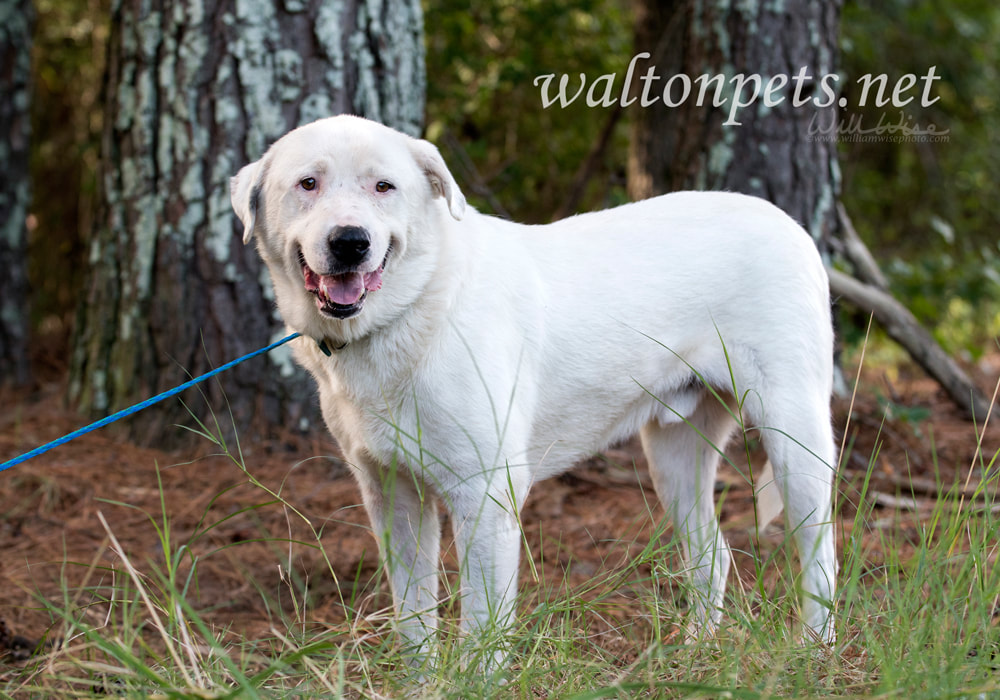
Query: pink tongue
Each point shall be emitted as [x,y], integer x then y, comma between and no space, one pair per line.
[348,289]
[343,289]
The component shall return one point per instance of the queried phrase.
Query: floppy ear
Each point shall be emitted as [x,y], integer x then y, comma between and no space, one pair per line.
[442,183]
[244,193]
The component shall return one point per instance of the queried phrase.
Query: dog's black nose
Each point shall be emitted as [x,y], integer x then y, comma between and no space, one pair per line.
[349,244]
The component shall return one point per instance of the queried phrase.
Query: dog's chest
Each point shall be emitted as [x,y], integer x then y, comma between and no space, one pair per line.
[391,415]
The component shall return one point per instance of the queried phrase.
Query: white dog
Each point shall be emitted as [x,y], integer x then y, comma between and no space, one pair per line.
[462,358]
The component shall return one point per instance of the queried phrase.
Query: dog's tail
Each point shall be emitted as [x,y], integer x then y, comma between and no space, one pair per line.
[768,497]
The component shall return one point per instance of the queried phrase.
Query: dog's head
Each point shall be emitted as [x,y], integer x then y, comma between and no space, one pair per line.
[336,207]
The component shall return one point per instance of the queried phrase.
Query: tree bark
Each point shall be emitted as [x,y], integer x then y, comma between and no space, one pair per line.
[194,90]
[770,153]
[15,193]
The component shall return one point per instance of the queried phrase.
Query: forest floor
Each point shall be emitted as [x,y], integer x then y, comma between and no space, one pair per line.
[257,557]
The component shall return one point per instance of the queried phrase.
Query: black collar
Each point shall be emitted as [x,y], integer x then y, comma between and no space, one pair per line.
[325,349]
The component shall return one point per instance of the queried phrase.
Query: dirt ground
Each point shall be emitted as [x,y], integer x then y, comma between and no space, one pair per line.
[255,555]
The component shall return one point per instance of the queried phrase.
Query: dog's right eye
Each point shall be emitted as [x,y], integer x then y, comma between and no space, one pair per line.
[308,183]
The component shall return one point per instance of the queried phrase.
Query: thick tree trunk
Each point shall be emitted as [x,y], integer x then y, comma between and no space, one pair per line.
[770,153]
[15,194]
[195,90]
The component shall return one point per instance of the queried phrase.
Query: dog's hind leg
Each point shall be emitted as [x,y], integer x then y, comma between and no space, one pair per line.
[404,519]
[798,436]
[683,460]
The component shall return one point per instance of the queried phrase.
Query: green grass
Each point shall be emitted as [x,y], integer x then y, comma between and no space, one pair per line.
[916,615]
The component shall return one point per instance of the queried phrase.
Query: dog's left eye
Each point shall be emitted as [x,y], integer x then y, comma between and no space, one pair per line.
[308,183]
[383,186]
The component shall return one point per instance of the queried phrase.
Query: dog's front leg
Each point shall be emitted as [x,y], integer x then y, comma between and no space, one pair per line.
[488,539]
[404,518]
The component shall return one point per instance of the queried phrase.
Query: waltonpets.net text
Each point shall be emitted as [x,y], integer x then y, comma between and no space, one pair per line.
[737,92]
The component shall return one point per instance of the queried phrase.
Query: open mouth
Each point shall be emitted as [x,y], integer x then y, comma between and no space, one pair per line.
[343,295]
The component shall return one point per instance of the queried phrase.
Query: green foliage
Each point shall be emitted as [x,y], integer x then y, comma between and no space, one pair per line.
[928,208]
[485,111]
[913,193]
[958,295]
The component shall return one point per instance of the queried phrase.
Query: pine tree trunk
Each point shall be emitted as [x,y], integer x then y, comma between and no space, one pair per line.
[770,153]
[195,90]
[15,194]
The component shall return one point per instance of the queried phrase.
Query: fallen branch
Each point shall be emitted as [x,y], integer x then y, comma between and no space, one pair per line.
[885,500]
[924,505]
[903,327]
[918,486]
[854,250]
[869,290]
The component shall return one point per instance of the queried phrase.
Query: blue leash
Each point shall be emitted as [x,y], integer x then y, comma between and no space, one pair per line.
[141,405]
